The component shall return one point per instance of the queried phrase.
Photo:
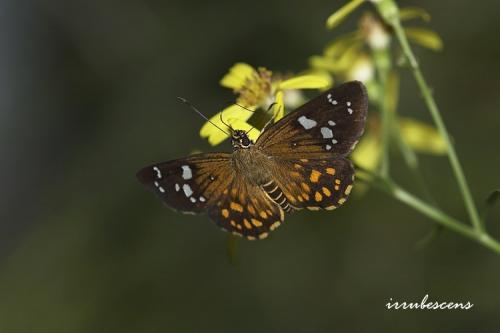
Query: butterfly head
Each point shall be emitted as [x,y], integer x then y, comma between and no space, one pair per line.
[240,139]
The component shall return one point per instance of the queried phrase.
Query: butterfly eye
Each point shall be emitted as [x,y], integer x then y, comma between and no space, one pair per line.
[245,141]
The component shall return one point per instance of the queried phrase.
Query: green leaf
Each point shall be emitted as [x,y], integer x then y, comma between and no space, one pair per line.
[425,37]
[336,48]
[337,17]
[409,13]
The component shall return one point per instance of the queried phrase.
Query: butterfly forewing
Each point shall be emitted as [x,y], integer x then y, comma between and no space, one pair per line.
[208,183]
[328,125]
[190,184]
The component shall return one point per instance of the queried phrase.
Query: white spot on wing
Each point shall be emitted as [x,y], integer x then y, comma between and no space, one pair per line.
[331,123]
[202,199]
[162,190]
[158,172]
[187,190]
[334,141]
[349,110]
[306,122]
[187,173]
[193,199]
[348,103]
[326,132]
[177,187]
[331,100]
[328,147]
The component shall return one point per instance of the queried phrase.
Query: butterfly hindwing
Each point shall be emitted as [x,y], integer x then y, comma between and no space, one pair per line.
[316,184]
[328,125]
[245,210]
[207,183]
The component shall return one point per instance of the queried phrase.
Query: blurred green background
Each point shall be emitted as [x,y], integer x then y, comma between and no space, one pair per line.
[88,97]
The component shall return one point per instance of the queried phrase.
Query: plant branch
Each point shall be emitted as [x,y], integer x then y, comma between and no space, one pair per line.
[430,211]
[389,10]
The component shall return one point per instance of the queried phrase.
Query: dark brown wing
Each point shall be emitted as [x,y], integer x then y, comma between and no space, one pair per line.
[327,126]
[207,183]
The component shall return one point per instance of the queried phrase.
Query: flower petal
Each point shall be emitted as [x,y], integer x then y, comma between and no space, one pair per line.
[279,106]
[367,152]
[310,81]
[237,76]
[425,37]
[362,69]
[422,137]
[338,16]
[214,134]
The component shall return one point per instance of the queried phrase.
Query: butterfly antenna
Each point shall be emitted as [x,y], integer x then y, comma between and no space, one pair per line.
[222,121]
[192,107]
[244,107]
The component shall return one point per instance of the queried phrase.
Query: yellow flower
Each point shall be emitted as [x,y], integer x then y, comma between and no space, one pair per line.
[417,135]
[258,89]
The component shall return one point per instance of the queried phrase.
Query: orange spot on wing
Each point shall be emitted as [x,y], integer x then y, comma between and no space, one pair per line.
[263,235]
[337,181]
[225,213]
[256,223]
[251,210]
[326,191]
[247,224]
[305,187]
[318,197]
[315,176]
[274,225]
[295,174]
[237,207]
[263,214]
[330,171]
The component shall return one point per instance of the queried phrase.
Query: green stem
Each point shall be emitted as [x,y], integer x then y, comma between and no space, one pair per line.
[383,66]
[388,9]
[432,212]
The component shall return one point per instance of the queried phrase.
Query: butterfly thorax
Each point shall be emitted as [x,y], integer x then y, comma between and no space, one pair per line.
[248,160]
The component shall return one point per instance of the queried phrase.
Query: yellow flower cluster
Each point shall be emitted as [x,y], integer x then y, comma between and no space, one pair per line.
[258,89]
[349,57]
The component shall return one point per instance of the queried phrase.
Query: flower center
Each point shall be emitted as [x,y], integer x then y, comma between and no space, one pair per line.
[256,88]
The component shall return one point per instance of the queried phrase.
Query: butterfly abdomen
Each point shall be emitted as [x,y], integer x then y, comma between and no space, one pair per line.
[275,193]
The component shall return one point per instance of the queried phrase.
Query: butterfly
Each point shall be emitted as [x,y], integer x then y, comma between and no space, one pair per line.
[298,162]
